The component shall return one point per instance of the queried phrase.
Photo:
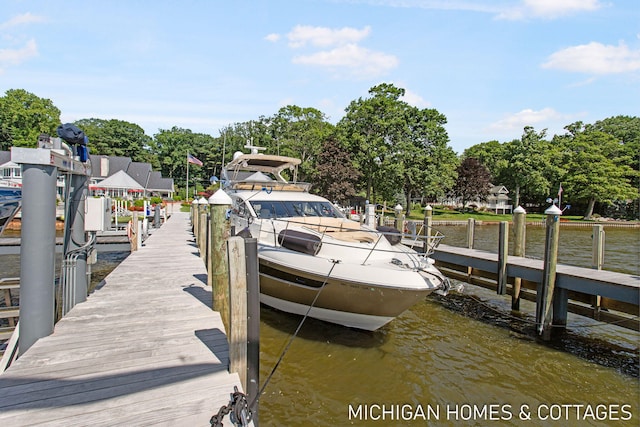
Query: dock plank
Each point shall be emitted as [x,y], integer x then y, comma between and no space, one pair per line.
[144,349]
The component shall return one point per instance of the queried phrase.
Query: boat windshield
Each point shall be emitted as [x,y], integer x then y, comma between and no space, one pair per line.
[279,209]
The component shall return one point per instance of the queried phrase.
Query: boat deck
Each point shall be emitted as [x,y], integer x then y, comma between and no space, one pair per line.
[144,349]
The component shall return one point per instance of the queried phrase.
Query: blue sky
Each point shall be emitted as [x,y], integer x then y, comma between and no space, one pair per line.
[491,67]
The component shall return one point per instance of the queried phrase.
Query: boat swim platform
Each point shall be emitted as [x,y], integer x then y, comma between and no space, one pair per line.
[144,349]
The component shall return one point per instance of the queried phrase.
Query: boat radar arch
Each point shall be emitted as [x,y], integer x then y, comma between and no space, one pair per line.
[254,148]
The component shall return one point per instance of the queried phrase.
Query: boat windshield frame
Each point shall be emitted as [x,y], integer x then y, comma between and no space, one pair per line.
[275,209]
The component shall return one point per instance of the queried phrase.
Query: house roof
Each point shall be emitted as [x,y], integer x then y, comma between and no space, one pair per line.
[495,189]
[139,172]
[5,156]
[120,179]
[158,183]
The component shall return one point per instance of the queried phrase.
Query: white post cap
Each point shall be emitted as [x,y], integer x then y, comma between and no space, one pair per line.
[519,209]
[553,210]
[220,198]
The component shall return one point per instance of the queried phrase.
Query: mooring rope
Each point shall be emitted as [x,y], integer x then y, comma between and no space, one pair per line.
[284,352]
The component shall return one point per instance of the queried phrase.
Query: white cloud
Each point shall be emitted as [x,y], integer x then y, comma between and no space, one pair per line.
[361,62]
[595,58]
[527,117]
[25,18]
[548,9]
[414,99]
[273,37]
[501,9]
[18,56]
[301,35]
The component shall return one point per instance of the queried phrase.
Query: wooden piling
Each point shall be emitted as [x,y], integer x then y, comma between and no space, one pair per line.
[194,216]
[545,291]
[597,261]
[134,232]
[519,226]
[427,224]
[471,230]
[218,277]
[503,246]
[399,222]
[253,327]
[598,247]
[202,232]
[238,314]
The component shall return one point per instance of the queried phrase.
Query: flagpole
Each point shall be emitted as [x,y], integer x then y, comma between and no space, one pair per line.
[186,195]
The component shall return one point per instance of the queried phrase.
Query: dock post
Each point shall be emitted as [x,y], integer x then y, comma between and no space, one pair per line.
[545,291]
[75,236]
[203,208]
[503,246]
[399,223]
[202,232]
[156,216]
[519,225]
[471,231]
[370,214]
[218,276]
[597,261]
[134,231]
[427,224]
[598,247]
[194,216]
[253,323]
[238,312]
[37,253]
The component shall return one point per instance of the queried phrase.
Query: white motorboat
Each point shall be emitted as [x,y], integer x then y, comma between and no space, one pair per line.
[10,203]
[314,260]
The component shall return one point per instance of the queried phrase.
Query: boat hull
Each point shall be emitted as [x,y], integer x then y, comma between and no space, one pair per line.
[10,203]
[335,299]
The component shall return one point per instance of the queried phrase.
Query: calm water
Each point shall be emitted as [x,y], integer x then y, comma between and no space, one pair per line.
[444,358]
[439,360]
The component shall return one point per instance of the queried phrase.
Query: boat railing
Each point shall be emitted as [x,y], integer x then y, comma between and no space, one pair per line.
[429,240]
[349,232]
[269,186]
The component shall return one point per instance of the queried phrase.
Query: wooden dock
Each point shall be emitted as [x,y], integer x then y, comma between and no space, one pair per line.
[593,293]
[144,349]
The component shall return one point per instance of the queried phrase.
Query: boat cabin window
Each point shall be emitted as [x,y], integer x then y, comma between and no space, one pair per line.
[280,209]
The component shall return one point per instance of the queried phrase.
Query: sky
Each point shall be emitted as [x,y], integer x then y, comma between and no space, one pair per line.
[491,67]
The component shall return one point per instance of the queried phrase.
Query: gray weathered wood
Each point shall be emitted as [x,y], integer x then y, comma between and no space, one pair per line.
[144,349]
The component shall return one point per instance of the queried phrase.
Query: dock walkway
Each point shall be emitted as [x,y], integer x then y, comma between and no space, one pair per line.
[144,349]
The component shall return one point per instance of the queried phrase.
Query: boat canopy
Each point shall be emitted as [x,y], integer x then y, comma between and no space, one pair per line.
[262,163]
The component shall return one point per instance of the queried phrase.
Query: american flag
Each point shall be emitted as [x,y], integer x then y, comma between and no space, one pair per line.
[193,160]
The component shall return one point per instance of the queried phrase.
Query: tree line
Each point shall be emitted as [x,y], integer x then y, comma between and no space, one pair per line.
[382,150]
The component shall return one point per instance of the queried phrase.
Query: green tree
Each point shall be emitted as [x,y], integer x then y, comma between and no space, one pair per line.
[528,164]
[172,146]
[117,138]
[597,169]
[24,116]
[492,155]
[300,132]
[369,129]
[422,158]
